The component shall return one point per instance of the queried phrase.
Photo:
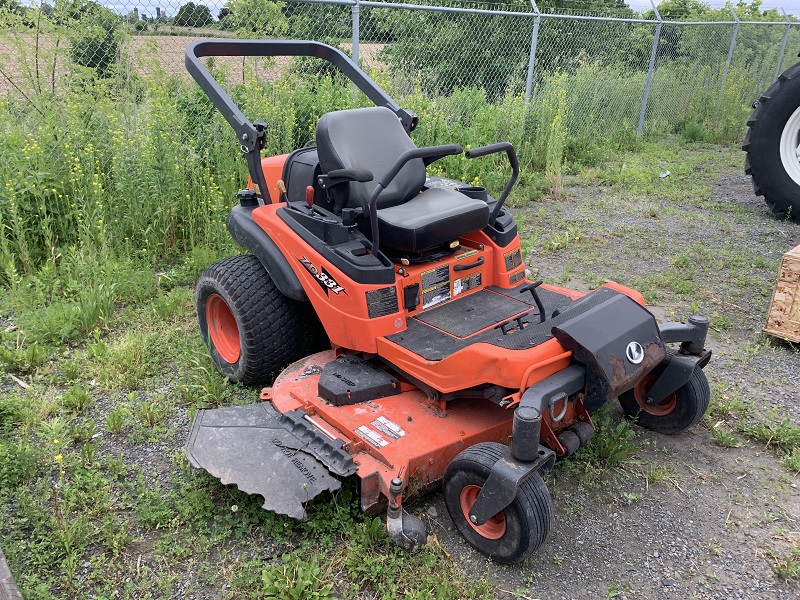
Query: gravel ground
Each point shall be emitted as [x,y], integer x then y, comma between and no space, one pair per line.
[702,535]
[707,532]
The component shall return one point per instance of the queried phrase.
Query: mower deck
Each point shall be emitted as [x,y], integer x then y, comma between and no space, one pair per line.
[404,433]
[283,449]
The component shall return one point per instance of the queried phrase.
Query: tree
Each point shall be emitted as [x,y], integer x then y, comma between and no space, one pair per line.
[446,51]
[256,18]
[324,22]
[132,17]
[193,15]
[95,34]
[12,6]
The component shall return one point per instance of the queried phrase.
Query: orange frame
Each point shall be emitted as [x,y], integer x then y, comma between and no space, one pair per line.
[423,436]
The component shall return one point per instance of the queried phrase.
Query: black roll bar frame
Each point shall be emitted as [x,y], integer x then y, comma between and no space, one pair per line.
[251,134]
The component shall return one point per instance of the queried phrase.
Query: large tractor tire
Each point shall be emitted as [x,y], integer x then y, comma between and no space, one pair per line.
[772,144]
[252,330]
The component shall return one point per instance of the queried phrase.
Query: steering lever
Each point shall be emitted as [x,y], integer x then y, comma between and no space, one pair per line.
[531,287]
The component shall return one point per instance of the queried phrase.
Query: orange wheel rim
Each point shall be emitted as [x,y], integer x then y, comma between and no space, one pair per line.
[494,528]
[222,328]
[666,406]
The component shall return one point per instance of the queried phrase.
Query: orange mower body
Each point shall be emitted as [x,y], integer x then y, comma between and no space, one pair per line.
[418,351]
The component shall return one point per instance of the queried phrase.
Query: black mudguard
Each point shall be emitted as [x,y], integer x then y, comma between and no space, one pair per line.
[678,369]
[616,343]
[246,232]
[619,343]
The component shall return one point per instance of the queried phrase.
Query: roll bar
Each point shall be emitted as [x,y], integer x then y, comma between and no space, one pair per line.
[251,135]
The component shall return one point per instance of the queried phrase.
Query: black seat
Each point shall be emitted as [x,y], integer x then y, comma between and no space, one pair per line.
[408,221]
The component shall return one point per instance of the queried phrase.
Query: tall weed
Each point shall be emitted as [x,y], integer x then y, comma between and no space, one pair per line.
[557,136]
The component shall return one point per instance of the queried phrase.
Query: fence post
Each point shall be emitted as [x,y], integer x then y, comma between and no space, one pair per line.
[650,69]
[727,64]
[783,46]
[356,12]
[532,58]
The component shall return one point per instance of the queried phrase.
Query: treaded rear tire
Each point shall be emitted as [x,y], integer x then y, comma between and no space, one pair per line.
[520,529]
[774,110]
[272,330]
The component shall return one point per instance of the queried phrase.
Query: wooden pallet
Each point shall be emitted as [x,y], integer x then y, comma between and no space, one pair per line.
[783,318]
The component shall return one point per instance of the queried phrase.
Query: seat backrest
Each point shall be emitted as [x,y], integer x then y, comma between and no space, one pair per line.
[372,139]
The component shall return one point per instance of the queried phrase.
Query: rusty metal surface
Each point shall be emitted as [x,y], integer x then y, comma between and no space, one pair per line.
[8,588]
[623,378]
[601,339]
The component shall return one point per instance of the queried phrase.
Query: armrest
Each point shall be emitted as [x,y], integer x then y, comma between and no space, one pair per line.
[337,176]
[432,152]
[512,158]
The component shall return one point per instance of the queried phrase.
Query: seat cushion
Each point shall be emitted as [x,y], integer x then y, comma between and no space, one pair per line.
[371,139]
[434,217]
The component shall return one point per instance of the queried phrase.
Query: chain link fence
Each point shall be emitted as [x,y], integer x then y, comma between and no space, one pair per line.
[108,146]
[646,71]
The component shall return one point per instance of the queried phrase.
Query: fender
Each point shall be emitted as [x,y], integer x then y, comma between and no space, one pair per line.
[246,232]
[603,339]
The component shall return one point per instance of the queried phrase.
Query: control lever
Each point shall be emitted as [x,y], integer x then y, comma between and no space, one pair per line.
[531,287]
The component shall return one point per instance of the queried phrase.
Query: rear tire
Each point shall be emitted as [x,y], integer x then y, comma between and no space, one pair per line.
[251,329]
[515,533]
[675,413]
[771,144]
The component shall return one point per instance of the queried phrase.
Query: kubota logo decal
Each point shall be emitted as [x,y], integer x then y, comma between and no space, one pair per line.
[324,278]
[635,353]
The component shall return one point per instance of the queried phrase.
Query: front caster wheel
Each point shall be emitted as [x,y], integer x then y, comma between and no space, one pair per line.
[515,533]
[675,413]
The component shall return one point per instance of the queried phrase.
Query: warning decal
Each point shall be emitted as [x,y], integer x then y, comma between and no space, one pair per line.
[373,437]
[388,427]
[435,286]
[466,283]
[382,302]
[512,279]
[513,259]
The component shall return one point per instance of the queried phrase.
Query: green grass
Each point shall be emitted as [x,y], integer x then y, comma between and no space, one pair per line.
[141,368]
[114,201]
[779,435]
[787,566]
[730,417]
[77,503]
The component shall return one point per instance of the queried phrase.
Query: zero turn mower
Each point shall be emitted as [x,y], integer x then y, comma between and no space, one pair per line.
[418,351]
